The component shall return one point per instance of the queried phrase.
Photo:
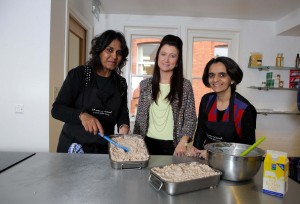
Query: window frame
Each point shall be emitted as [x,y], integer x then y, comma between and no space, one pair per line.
[130,32]
[230,37]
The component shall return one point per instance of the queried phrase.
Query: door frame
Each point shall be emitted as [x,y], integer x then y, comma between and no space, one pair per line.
[56,125]
[79,31]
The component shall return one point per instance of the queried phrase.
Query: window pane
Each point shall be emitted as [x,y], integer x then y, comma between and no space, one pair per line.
[135,90]
[221,50]
[199,90]
[203,51]
[146,58]
[143,54]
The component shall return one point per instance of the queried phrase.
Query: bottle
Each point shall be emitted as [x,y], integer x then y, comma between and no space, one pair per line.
[278,60]
[297,65]
[281,60]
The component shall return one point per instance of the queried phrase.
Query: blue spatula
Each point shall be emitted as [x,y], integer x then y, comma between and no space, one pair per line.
[126,149]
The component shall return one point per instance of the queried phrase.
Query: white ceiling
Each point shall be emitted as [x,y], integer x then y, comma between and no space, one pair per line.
[266,10]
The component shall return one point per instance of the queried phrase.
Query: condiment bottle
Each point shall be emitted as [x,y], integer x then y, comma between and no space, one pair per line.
[278,60]
[297,65]
[281,60]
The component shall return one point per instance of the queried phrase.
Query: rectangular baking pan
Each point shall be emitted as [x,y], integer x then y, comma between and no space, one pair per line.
[128,164]
[174,188]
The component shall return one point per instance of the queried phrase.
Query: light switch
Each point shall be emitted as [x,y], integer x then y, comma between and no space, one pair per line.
[19,108]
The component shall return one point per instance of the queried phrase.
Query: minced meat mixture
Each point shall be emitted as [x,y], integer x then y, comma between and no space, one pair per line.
[184,171]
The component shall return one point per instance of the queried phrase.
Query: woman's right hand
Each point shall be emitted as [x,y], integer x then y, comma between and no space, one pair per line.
[91,124]
[194,152]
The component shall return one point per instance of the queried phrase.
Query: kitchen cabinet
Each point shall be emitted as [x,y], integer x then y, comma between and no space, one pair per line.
[266,88]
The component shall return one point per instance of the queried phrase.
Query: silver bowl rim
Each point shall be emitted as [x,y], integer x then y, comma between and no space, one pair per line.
[209,149]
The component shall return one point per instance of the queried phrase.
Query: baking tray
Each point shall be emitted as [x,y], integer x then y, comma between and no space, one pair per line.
[174,188]
[128,164]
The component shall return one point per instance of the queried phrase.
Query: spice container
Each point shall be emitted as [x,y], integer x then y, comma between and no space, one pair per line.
[279,60]
[255,59]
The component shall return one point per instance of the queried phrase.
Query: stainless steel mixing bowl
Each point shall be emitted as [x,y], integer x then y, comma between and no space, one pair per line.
[226,157]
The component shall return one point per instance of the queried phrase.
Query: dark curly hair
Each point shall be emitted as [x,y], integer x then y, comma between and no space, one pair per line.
[100,42]
[232,68]
[177,77]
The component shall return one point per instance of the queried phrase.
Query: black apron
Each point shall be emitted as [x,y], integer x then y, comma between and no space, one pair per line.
[219,131]
[101,104]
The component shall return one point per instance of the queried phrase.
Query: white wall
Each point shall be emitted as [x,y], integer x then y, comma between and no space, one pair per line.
[25,69]
[24,78]
[289,24]
[282,131]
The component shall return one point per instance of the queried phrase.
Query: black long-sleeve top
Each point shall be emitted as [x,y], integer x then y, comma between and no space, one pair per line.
[84,91]
[70,100]
[248,122]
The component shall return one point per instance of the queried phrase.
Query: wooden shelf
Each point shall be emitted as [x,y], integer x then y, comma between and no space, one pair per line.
[267,112]
[271,88]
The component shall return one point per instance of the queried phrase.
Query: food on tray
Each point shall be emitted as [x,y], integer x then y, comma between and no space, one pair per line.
[184,171]
[137,149]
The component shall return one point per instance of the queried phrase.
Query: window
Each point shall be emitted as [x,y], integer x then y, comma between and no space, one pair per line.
[202,46]
[142,66]
[203,51]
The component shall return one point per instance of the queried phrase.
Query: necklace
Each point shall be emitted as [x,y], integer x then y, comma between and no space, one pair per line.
[160,116]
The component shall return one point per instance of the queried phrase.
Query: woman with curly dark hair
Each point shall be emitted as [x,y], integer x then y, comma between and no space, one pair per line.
[166,110]
[93,98]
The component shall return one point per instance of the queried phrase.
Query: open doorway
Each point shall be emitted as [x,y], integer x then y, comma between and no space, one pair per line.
[76,44]
[75,54]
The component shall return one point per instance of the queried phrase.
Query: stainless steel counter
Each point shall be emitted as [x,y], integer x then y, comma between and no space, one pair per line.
[64,178]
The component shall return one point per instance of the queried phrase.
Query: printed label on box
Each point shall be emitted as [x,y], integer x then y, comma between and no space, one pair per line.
[276,170]
[294,78]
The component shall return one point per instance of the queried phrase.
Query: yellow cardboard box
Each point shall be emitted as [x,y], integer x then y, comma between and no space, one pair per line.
[255,59]
[276,172]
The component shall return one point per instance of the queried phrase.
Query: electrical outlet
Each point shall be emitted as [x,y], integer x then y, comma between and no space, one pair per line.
[19,108]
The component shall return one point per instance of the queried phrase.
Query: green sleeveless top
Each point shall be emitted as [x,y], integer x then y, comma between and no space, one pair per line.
[161,121]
